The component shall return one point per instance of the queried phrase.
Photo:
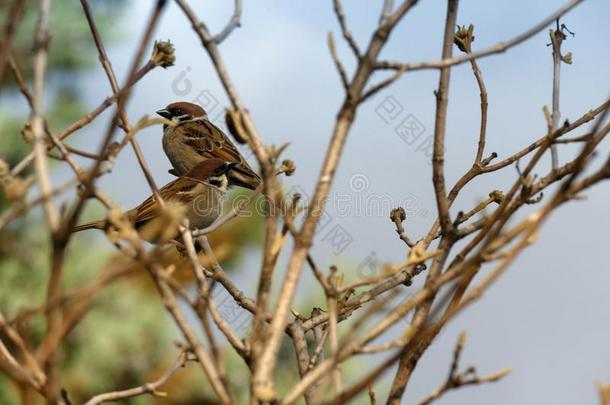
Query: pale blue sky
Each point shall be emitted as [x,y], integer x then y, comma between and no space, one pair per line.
[547,318]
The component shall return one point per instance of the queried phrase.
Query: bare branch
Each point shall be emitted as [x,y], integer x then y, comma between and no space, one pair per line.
[13,19]
[346,32]
[457,380]
[40,66]
[397,216]
[148,388]
[464,39]
[338,64]
[498,48]
[234,22]
[109,101]
[386,11]
[202,354]
[438,156]
[381,85]
[604,393]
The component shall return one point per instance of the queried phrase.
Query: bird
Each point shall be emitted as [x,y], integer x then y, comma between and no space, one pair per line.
[194,138]
[199,194]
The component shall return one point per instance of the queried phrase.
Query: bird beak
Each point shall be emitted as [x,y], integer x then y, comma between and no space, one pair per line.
[229,166]
[164,113]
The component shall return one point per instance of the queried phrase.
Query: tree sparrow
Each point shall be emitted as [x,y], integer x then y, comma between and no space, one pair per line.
[195,138]
[199,195]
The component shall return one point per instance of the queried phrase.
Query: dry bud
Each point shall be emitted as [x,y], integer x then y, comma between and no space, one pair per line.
[14,188]
[398,214]
[461,339]
[288,167]
[110,157]
[464,38]
[27,133]
[497,196]
[163,54]
[234,120]
[112,150]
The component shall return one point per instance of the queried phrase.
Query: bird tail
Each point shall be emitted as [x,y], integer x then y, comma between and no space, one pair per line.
[90,225]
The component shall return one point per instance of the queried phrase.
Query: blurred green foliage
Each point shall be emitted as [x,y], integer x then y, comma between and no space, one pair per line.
[71,48]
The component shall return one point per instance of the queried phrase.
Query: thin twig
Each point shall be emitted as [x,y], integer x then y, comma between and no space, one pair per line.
[331,300]
[148,388]
[233,23]
[40,64]
[386,11]
[338,64]
[492,50]
[109,101]
[457,380]
[440,122]
[202,354]
[346,32]
[13,19]
[302,354]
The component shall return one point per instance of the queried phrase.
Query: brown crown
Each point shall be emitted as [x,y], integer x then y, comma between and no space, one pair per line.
[184,107]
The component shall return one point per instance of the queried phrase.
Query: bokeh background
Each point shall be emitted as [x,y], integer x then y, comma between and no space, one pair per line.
[547,318]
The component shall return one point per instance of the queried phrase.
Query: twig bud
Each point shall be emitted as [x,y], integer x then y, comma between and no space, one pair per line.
[14,188]
[234,119]
[288,167]
[398,214]
[464,37]
[497,196]
[27,133]
[163,54]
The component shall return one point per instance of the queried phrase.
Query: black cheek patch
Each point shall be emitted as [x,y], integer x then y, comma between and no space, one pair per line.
[215,181]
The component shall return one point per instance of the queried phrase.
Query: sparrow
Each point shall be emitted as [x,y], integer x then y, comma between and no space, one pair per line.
[199,194]
[194,138]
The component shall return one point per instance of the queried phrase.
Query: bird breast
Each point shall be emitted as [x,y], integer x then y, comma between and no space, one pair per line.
[182,157]
[206,206]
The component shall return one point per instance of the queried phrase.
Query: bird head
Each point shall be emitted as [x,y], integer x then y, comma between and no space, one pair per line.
[212,171]
[182,111]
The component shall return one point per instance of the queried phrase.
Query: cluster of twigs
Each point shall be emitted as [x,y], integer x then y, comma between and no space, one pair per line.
[319,348]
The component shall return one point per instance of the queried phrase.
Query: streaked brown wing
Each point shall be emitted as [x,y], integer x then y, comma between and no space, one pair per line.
[173,191]
[211,142]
